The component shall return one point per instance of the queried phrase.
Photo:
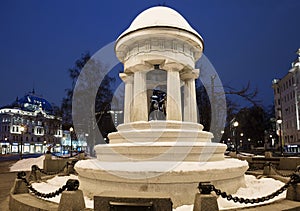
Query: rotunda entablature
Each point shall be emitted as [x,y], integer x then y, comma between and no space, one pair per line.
[159,44]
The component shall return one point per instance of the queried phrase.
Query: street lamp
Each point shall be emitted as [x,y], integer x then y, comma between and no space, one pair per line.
[86,137]
[235,125]
[71,131]
[6,144]
[22,128]
[279,122]
[241,141]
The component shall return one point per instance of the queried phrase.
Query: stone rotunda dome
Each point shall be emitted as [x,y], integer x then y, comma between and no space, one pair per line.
[160,17]
[159,34]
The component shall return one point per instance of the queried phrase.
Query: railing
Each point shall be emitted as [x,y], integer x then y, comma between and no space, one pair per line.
[207,188]
[271,166]
[71,185]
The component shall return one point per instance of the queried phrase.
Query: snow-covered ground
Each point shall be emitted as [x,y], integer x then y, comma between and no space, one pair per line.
[254,187]
[25,164]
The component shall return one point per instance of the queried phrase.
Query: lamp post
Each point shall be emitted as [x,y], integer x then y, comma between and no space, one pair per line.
[235,125]
[71,131]
[22,128]
[6,144]
[86,137]
[241,141]
[279,122]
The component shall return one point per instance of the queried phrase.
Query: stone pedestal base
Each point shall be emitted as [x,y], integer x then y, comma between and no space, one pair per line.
[205,203]
[293,193]
[165,157]
[268,170]
[71,201]
[177,180]
[19,187]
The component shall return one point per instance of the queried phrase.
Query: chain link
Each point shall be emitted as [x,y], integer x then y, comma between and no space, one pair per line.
[22,176]
[35,167]
[280,173]
[236,199]
[206,188]
[52,173]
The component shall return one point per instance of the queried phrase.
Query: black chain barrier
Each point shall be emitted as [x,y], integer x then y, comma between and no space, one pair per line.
[253,168]
[36,168]
[71,185]
[207,188]
[270,164]
[69,163]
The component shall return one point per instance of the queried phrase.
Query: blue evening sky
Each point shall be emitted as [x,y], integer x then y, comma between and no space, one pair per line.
[246,40]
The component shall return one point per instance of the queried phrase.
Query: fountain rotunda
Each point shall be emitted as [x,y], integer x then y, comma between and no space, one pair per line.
[168,153]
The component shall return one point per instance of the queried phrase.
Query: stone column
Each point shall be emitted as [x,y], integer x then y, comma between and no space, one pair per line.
[128,100]
[190,104]
[173,95]
[140,107]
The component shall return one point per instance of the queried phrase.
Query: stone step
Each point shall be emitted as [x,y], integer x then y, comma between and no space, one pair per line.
[29,202]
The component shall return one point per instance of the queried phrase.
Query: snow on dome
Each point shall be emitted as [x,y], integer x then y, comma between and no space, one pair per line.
[159,16]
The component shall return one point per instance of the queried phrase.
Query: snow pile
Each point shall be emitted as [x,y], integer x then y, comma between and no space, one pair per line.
[54,184]
[255,188]
[25,164]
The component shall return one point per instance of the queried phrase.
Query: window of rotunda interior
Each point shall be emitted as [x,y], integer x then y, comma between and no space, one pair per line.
[156,93]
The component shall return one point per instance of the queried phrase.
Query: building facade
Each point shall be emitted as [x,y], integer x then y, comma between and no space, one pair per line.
[29,125]
[286,101]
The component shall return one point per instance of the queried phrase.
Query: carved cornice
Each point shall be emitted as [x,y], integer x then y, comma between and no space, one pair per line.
[149,45]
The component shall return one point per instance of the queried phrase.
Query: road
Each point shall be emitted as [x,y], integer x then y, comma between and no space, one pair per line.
[15,157]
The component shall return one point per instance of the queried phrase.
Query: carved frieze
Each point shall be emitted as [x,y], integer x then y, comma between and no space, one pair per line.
[159,45]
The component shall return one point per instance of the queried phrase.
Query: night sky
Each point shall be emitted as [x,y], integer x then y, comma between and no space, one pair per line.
[246,40]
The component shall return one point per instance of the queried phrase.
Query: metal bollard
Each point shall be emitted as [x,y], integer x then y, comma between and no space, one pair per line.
[205,201]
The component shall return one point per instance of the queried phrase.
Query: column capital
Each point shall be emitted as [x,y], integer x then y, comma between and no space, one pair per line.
[126,78]
[189,74]
[137,65]
[172,66]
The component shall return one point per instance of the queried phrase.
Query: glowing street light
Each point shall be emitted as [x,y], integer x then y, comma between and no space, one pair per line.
[71,131]
[235,125]
[279,122]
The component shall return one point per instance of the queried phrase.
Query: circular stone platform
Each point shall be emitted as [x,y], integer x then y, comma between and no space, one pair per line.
[179,156]
[179,180]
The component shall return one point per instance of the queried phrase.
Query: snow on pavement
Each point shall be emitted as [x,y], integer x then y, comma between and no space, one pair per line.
[25,164]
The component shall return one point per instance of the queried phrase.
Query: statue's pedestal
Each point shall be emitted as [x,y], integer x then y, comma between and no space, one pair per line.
[166,157]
